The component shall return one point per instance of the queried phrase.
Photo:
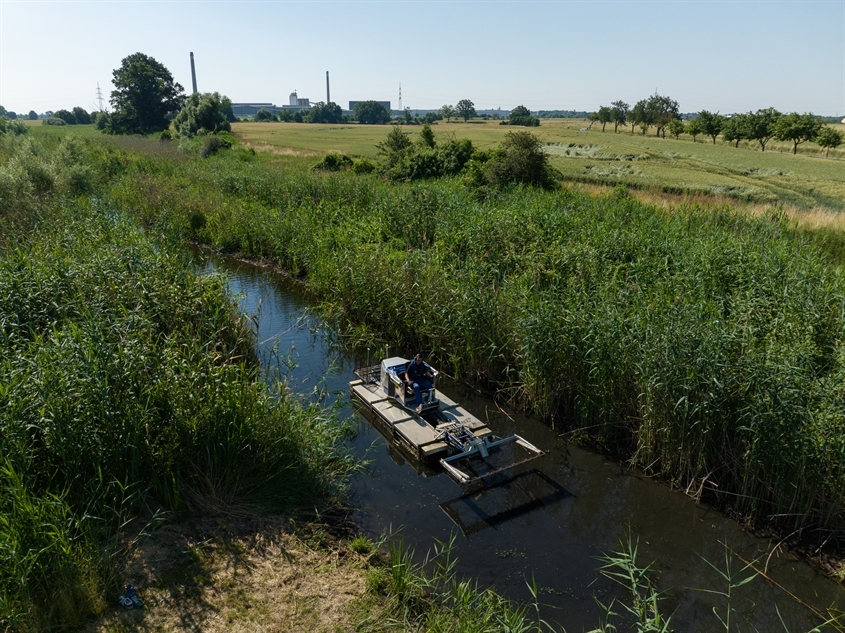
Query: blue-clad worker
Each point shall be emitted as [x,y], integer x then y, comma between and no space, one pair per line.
[419,374]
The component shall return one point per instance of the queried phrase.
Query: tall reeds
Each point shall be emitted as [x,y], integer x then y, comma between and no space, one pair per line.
[704,345]
[127,381]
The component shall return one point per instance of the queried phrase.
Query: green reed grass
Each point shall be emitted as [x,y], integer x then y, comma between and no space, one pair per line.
[704,345]
[431,596]
[126,380]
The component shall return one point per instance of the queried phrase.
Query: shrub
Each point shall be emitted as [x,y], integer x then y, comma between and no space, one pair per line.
[363,166]
[81,115]
[203,114]
[264,115]
[51,120]
[520,160]
[334,162]
[65,116]
[213,144]
[13,127]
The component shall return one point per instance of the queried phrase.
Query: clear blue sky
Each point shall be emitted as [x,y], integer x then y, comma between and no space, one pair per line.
[730,56]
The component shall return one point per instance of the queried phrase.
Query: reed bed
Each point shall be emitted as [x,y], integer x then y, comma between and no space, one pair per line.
[703,345]
[127,384]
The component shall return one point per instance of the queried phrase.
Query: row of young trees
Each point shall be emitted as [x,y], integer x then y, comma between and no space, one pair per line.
[657,111]
[761,126]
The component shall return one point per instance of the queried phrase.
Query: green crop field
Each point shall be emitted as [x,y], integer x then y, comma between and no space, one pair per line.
[806,181]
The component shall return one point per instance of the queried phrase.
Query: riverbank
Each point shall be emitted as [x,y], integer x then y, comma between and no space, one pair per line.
[239,573]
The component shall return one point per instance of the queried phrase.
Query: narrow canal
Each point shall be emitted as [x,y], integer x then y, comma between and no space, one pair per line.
[590,503]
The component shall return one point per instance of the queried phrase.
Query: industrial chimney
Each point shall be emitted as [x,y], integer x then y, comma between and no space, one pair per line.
[193,74]
[328,94]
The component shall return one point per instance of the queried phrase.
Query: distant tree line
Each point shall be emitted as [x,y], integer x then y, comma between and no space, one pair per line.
[562,114]
[146,99]
[662,114]
[11,115]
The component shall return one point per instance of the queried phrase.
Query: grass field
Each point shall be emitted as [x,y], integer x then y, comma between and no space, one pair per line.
[807,181]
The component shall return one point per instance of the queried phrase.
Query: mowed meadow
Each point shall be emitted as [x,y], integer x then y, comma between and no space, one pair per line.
[682,167]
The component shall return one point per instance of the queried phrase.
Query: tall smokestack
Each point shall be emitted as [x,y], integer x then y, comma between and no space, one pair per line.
[328,94]
[193,73]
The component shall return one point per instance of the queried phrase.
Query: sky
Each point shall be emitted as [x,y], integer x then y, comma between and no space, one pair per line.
[719,55]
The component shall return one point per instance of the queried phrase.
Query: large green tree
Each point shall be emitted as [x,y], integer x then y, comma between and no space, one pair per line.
[144,95]
[619,112]
[81,115]
[605,116]
[797,128]
[466,109]
[204,113]
[711,124]
[370,112]
[264,115]
[827,138]
[735,129]
[638,115]
[760,125]
[521,115]
[325,113]
[694,127]
[447,112]
[66,116]
[659,111]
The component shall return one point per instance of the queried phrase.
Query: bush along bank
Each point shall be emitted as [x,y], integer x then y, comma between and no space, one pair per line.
[127,382]
[704,346]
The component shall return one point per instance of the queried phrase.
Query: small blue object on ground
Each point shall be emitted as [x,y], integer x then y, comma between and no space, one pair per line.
[129,599]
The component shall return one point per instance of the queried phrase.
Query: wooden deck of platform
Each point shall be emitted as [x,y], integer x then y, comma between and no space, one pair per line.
[410,429]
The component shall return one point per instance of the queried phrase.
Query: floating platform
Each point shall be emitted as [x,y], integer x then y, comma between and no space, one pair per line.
[415,433]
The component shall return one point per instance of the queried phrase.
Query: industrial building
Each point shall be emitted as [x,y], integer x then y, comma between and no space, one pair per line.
[296,103]
[251,109]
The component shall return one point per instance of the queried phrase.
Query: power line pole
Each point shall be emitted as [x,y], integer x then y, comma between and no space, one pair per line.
[99,97]
[400,97]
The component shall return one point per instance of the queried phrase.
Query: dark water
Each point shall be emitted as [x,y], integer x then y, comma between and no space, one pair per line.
[554,519]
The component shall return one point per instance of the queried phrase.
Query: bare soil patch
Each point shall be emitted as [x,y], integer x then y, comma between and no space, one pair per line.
[240,575]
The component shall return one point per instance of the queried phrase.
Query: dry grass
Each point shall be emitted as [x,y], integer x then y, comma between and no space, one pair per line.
[237,576]
[812,219]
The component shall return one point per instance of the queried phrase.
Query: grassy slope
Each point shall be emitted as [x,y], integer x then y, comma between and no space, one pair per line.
[805,181]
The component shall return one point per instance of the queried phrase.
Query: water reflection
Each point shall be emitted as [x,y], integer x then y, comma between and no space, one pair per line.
[554,520]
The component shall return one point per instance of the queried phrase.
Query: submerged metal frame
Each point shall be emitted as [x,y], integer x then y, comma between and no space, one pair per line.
[482,448]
